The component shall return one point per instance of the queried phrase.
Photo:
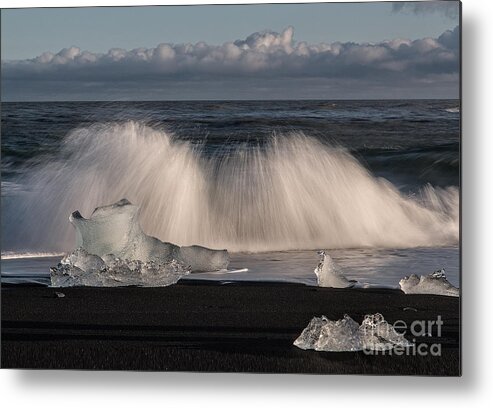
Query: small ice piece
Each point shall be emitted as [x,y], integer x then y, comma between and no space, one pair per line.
[310,335]
[203,259]
[340,335]
[377,334]
[115,229]
[374,333]
[83,260]
[81,268]
[433,284]
[329,274]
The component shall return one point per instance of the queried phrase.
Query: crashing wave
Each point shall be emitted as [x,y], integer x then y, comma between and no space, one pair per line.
[293,192]
[80,268]
[374,333]
[115,229]
[329,274]
[433,284]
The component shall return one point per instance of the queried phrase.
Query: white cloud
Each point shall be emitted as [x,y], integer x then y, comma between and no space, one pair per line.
[449,9]
[262,55]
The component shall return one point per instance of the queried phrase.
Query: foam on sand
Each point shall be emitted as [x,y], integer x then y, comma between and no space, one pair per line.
[433,284]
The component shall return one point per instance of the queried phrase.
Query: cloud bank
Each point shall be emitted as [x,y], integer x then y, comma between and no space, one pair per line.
[261,59]
[449,9]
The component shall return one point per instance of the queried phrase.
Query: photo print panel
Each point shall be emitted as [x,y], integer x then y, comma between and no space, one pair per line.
[267,188]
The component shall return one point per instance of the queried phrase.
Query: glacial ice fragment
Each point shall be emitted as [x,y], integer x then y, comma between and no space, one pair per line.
[374,333]
[377,334]
[329,274]
[340,335]
[433,284]
[115,229]
[309,336]
[79,268]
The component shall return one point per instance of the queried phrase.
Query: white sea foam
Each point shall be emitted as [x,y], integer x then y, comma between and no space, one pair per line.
[10,188]
[26,255]
[296,193]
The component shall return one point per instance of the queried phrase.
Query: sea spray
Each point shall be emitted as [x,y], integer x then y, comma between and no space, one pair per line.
[293,192]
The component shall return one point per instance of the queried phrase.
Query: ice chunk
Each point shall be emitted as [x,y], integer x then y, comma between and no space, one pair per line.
[81,259]
[377,334]
[115,229]
[329,274]
[80,268]
[340,335]
[309,336]
[203,259]
[374,333]
[434,284]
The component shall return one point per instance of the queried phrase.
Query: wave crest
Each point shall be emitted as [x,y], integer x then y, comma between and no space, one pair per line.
[293,193]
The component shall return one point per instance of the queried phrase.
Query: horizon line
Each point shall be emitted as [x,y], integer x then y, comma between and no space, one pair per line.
[232,100]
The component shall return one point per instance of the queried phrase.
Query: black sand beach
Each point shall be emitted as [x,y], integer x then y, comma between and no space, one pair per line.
[208,326]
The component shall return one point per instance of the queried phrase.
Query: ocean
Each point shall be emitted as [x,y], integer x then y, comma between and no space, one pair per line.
[376,183]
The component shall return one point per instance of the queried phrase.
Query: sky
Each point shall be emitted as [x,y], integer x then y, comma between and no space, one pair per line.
[287,51]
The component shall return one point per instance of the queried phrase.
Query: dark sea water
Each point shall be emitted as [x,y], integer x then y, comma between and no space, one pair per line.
[59,157]
[410,142]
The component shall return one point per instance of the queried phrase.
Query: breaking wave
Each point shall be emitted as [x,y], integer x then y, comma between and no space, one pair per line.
[294,192]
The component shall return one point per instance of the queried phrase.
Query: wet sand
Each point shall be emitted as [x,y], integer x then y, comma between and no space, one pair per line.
[209,326]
